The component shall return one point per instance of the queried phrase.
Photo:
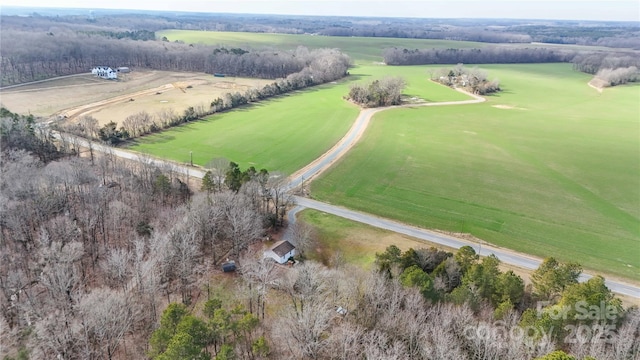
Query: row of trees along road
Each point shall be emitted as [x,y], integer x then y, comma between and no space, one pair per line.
[93,251]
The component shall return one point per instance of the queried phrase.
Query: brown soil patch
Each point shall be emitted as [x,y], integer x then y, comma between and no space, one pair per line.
[598,84]
[109,100]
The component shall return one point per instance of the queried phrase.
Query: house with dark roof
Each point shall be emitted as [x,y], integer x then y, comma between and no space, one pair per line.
[281,252]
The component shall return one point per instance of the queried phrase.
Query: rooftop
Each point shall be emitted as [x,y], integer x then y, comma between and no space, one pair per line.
[282,248]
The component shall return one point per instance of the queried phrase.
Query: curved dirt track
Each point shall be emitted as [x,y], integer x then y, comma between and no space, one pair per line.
[78,111]
[354,134]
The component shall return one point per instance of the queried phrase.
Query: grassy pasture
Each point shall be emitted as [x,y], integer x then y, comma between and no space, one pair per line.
[416,77]
[361,49]
[280,134]
[285,133]
[548,167]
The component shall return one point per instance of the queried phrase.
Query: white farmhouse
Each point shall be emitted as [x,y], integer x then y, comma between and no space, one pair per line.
[281,252]
[104,72]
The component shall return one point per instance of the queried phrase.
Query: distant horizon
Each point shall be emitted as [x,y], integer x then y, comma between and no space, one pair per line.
[564,10]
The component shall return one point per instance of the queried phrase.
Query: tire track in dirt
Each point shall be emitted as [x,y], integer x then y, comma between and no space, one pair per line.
[75,112]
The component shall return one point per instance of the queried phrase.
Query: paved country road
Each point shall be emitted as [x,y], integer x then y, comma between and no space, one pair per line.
[506,256]
[323,162]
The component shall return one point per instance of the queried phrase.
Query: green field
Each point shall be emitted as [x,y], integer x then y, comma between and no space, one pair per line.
[553,171]
[361,49]
[285,133]
[548,167]
[281,134]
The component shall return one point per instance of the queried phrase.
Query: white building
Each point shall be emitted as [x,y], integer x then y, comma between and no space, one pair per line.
[105,72]
[281,252]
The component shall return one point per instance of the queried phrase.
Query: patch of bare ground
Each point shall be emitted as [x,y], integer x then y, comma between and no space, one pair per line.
[109,100]
[507,107]
[598,84]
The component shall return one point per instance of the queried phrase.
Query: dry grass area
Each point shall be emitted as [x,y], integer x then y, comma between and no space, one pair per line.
[108,100]
[356,243]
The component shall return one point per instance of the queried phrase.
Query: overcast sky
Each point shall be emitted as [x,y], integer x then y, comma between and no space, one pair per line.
[619,10]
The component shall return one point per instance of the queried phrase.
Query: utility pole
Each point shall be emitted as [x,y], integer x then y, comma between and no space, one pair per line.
[191,157]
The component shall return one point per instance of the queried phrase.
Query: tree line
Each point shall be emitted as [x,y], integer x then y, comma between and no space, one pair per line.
[490,55]
[610,34]
[133,35]
[622,75]
[585,61]
[437,32]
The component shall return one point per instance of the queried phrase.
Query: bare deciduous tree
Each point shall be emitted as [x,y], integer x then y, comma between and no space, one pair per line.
[305,333]
[302,236]
[107,316]
[260,274]
[118,266]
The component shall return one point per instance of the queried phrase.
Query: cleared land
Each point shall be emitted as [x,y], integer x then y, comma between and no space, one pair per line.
[552,171]
[107,100]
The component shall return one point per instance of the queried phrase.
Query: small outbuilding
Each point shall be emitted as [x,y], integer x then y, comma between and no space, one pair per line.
[229,266]
[281,252]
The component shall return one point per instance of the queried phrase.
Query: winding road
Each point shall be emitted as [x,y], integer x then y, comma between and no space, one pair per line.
[324,162]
